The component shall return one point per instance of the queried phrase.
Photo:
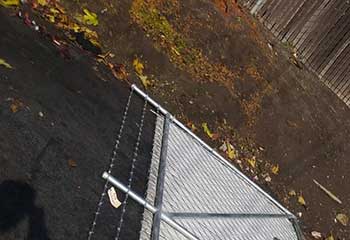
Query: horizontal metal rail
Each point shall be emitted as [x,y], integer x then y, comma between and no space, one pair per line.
[226,215]
[148,206]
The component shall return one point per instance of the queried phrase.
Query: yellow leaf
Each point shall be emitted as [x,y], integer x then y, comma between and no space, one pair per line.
[252,162]
[206,130]
[343,219]
[5,64]
[72,163]
[138,66]
[231,153]
[330,237]
[275,169]
[292,193]
[9,3]
[54,10]
[42,2]
[145,81]
[301,200]
[90,18]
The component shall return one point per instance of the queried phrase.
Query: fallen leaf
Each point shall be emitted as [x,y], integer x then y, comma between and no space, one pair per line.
[316,235]
[223,147]
[301,200]
[252,162]
[206,130]
[118,70]
[5,64]
[16,105]
[138,66]
[292,193]
[191,126]
[42,2]
[330,237]
[113,198]
[329,193]
[89,18]
[268,179]
[343,219]
[231,153]
[275,169]
[72,163]
[9,3]
[145,81]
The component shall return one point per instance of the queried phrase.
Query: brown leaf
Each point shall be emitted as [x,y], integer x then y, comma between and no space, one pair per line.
[16,105]
[72,163]
[191,126]
[118,70]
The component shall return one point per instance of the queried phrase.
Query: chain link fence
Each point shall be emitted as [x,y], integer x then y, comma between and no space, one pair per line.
[192,192]
[204,194]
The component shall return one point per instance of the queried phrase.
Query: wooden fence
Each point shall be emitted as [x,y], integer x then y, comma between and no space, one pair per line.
[320,32]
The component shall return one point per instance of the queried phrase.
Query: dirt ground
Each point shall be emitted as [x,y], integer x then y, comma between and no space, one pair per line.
[211,62]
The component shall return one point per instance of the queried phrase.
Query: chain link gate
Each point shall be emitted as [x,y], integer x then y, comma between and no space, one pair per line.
[194,193]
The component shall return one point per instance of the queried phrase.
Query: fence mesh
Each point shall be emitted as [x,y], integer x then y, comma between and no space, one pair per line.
[207,197]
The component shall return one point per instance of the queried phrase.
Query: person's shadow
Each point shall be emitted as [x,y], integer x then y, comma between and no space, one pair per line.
[17,201]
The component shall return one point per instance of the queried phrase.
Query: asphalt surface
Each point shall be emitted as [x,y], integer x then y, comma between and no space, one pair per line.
[55,112]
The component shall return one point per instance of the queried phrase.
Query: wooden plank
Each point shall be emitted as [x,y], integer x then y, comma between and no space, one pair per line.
[302,26]
[264,9]
[274,14]
[252,4]
[291,21]
[346,98]
[332,61]
[258,5]
[309,26]
[270,11]
[329,72]
[330,37]
[339,68]
[325,20]
[282,17]
[340,82]
[288,16]
[333,41]
[342,69]
[344,90]
[296,20]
